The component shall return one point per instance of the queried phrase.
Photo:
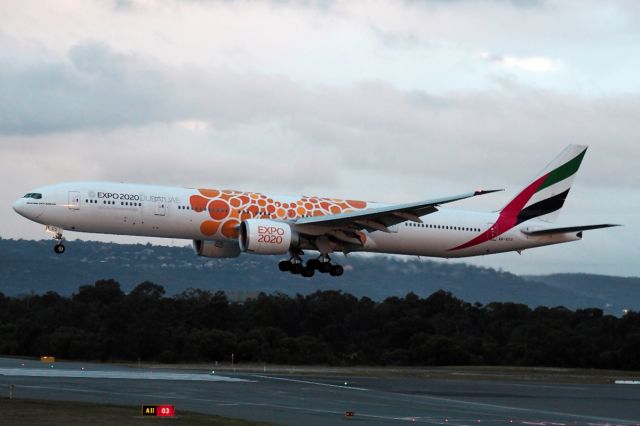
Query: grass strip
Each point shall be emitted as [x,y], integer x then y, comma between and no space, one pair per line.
[20,412]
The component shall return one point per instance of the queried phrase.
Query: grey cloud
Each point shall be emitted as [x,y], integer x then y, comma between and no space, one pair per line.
[396,40]
[122,4]
[95,88]
[367,127]
[493,58]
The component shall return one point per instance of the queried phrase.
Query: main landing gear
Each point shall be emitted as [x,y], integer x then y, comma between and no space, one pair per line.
[57,235]
[322,264]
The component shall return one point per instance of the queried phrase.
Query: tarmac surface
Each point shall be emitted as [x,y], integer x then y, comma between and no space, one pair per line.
[321,400]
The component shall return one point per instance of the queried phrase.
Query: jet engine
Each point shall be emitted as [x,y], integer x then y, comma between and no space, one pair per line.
[263,236]
[208,248]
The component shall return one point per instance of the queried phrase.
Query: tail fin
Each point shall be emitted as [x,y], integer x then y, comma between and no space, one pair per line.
[544,197]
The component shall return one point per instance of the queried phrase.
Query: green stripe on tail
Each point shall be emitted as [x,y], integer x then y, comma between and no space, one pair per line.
[561,173]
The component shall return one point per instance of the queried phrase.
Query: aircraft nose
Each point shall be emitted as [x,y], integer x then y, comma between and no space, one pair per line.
[18,206]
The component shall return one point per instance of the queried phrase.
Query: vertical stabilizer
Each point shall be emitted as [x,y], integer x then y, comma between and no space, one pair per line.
[544,196]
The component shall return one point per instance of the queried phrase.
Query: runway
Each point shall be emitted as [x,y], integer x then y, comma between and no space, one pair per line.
[320,400]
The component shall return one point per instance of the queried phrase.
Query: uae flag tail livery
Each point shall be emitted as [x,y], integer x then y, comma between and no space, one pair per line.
[541,199]
[544,197]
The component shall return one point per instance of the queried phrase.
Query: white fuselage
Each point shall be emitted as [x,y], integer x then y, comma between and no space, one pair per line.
[157,211]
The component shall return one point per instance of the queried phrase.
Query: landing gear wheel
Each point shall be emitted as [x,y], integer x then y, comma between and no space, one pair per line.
[336,270]
[59,248]
[307,272]
[296,268]
[284,266]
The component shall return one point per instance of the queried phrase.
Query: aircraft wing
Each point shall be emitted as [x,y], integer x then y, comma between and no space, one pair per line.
[566,230]
[381,218]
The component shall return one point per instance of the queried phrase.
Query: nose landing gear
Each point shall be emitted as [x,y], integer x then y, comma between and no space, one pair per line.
[57,235]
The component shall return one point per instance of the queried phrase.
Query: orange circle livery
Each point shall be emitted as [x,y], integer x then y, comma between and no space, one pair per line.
[226,209]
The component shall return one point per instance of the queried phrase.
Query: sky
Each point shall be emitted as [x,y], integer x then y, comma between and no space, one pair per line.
[390,101]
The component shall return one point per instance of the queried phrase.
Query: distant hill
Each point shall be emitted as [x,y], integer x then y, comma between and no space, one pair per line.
[28,266]
[619,292]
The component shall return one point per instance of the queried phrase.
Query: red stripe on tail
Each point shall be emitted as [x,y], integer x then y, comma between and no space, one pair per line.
[508,216]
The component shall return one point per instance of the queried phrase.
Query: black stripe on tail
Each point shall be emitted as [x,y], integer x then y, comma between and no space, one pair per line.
[543,207]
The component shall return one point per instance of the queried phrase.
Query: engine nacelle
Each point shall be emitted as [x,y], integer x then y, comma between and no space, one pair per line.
[263,236]
[209,248]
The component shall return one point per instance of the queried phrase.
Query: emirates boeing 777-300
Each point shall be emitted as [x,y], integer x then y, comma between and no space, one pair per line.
[225,223]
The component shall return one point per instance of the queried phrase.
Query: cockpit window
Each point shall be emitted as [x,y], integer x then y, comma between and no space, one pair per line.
[35,195]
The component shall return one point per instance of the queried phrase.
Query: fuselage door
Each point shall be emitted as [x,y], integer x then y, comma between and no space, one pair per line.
[161,208]
[74,200]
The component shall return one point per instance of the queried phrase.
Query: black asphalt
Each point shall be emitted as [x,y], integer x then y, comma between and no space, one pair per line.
[322,400]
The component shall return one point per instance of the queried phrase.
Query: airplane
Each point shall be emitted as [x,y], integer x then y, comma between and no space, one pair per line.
[225,223]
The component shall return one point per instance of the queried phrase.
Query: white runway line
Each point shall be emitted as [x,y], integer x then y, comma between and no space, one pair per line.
[307,382]
[132,375]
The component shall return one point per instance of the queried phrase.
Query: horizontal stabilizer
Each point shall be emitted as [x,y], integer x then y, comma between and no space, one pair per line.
[568,229]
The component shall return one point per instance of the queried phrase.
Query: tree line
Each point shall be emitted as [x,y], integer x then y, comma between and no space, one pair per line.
[101,322]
